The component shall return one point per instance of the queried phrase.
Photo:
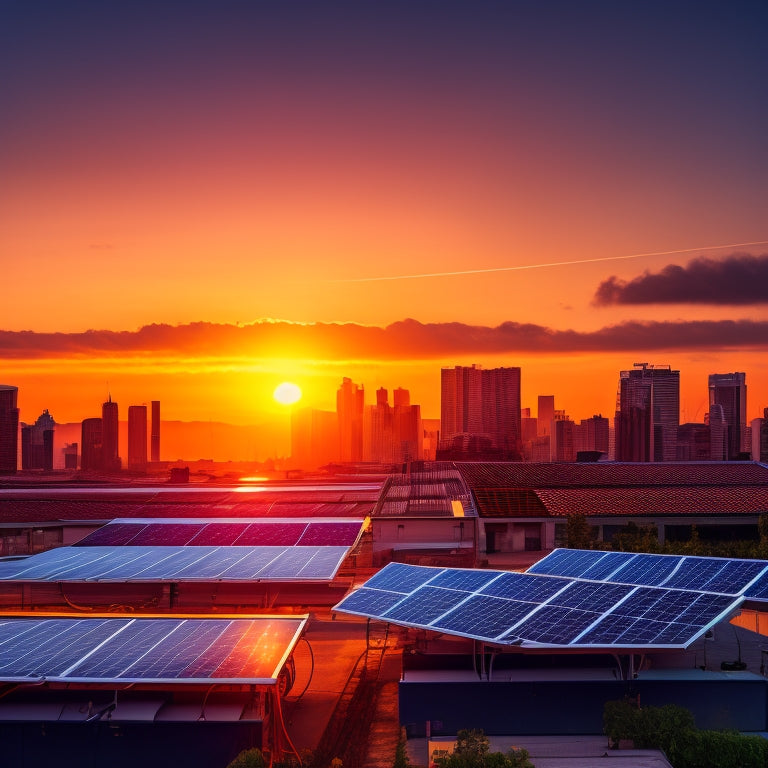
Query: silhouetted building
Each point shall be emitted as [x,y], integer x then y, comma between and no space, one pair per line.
[718,432]
[693,442]
[110,457]
[37,443]
[392,435]
[482,407]
[648,413]
[154,450]
[91,442]
[592,435]
[70,456]
[760,438]
[564,440]
[137,436]
[545,414]
[349,409]
[730,391]
[9,429]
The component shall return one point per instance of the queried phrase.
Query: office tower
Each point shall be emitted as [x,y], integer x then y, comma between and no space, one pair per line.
[137,436]
[37,443]
[730,391]
[90,440]
[760,438]
[349,409]
[693,442]
[379,441]
[70,456]
[9,429]
[718,433]
[545,414]
[591,435]
[110,458]
[647,413]
[482,406]
[564,449]
[154,452]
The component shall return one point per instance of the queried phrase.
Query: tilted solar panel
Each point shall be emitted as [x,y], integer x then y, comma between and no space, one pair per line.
[534,609]
[168,650]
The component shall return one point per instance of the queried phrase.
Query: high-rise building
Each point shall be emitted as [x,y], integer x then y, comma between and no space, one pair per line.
[760,438]
[154,450]
[730,391]
[70,456]
[718,433]
[647,413]
[592,435]
[37,443]
[90,440]
[545,414]
[349,408]
[482,405]
[393,435]
[9,429]
[110,457]
[137,436]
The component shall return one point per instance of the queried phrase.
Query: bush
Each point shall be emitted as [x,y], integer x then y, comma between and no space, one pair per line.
[672,729]
[249,758]
[473,751]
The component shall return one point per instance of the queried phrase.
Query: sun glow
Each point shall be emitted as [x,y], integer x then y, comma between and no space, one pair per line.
[287,393]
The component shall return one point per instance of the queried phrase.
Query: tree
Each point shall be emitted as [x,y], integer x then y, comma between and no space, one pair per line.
[472,750]
[577,532]
[249,758]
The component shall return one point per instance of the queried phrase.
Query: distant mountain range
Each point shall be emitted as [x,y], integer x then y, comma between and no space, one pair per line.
[192,440]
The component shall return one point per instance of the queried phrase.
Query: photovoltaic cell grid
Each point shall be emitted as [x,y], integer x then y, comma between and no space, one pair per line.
[270,532]
[177,564]
[525,608]
[706,574]
[103,650]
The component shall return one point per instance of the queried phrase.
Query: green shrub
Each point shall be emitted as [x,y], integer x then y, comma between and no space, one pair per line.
[249,758]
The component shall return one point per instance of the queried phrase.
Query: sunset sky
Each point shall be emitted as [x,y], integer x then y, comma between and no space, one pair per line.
[199,200]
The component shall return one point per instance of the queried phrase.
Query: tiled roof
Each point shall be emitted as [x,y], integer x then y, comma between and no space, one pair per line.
[607,474]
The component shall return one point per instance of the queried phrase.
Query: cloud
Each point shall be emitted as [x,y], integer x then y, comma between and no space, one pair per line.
[736,279]
[403,340]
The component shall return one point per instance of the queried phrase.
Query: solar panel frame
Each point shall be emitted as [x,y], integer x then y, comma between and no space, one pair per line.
[539,610]
[237,650]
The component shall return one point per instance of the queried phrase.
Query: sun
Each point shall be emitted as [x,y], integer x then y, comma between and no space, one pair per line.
[287,393]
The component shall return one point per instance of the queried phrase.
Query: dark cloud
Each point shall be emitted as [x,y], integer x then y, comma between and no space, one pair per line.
[404,340]
[736,279]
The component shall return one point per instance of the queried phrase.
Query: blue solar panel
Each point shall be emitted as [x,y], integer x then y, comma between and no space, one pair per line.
[148,649]
[401,578]
[324,563]
[369,602]
[649,570]
[484,617]
[758,590]
[250,566]
[566,562]
[521,586]
[591,596]
[463,579]
[606,565]
[715,574]
[555,624]
[425,605]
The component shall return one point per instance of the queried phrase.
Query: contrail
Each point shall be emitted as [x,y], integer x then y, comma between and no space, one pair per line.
[541,266]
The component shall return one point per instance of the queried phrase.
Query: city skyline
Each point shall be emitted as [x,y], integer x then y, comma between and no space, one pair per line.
[206,201]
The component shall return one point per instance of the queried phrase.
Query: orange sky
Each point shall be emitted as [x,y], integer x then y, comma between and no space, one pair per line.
[229,164]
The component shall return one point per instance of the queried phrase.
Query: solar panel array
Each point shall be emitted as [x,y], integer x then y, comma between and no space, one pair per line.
[177,564]
[706,574]
[534,609]
[156,650]
[218,532]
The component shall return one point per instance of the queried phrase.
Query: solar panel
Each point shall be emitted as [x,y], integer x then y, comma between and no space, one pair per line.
[111,535]
[170,650]
[217,535]
[271,534]
[534,609]
[709,574]
[330,534]
[166,534]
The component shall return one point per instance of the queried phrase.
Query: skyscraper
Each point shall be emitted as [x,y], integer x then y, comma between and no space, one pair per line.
[730,391]
[137,436]
[110,459]
[9,429]
[647,413]
[479,402]
[37,443]
[154,452]
[349,409]
[90,440]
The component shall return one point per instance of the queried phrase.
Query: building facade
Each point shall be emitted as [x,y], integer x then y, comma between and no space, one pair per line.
[137,436]
[9,429]
[647,413]
[729,390]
